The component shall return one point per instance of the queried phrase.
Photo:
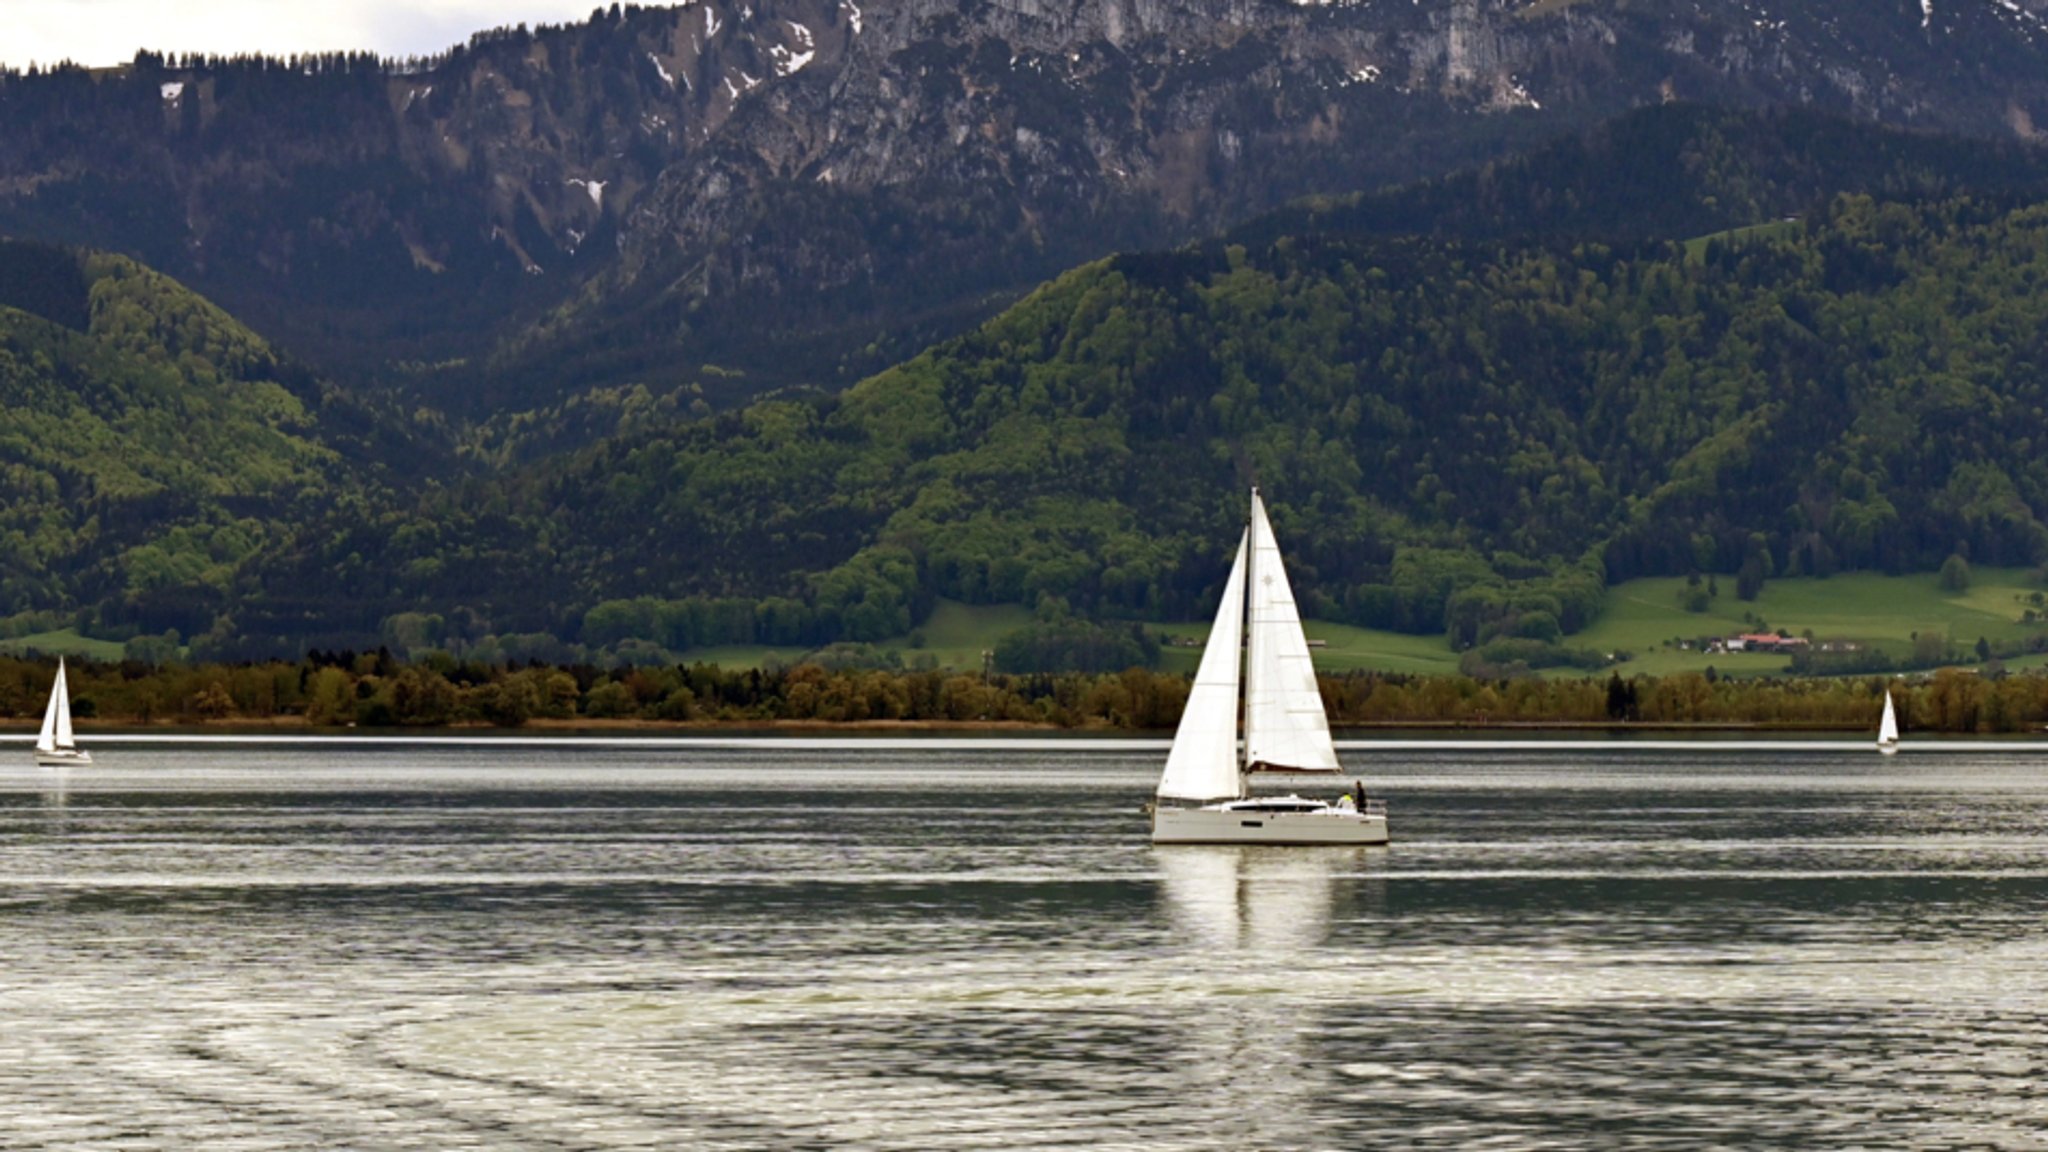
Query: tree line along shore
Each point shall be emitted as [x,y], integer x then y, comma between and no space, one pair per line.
[374,690]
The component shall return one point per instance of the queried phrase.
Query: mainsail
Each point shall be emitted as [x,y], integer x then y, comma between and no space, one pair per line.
[56,734]
[1285,728]
[1203,762]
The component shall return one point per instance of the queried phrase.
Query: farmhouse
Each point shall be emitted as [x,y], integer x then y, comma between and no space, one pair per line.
[1764,642]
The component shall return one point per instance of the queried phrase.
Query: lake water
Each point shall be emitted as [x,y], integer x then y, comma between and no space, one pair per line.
[956,948]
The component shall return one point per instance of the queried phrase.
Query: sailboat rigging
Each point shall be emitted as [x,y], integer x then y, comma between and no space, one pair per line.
[1204,792]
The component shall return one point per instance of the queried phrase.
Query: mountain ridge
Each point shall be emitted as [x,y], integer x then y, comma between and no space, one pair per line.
[732,197]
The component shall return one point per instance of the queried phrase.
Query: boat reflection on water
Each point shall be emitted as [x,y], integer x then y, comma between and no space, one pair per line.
[56,790]
[1252,999]
[1257,900]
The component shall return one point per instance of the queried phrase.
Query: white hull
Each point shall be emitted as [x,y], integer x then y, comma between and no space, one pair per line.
[1221,826]
[62,758]
[1891,749]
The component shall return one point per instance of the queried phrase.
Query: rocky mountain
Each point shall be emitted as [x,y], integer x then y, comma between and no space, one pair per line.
[723,197]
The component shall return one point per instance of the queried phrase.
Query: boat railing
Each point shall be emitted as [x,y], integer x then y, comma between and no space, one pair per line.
[1375,807]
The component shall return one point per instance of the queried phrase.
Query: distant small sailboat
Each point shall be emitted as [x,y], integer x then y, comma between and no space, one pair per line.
[1285,727]
[1888,728]
[56,748]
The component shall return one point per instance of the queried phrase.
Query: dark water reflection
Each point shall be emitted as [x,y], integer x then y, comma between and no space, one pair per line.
[949,948]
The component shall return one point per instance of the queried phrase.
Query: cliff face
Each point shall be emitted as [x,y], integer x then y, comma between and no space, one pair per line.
[800,189]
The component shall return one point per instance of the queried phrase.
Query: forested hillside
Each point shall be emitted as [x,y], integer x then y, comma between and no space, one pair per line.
[151,446]
[1459,427]
[1864,391]
[1469,435]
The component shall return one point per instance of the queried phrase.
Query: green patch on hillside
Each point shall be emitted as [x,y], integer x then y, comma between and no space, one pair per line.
[740,656]
[1646,617]
[1335,647]
[953,637]
[1696,248]
[64,643]
[957,634]
[1350,649]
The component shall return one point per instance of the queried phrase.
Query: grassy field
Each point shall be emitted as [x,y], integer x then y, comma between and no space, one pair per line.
[1696,248]
[1344,649]
[955,635]
[740,655]
[65,643]
[1644,616]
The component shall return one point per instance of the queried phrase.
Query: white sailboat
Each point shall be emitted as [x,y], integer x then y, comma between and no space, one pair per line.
[55,747]
[1204,795]
[1888,728]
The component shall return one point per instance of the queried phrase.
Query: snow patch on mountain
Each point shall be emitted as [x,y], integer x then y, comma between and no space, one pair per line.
[790,61]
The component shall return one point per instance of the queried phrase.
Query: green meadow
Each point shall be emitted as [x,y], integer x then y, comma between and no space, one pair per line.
[957,634]
[1696,248]
[1337,648]
[1645,617]
[64,643]
[954,636]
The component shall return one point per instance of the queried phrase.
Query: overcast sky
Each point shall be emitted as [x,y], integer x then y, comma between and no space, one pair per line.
[99,32]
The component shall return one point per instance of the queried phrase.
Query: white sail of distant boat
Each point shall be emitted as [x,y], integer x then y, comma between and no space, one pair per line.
[56,746]
[1888,728]
[1285,727]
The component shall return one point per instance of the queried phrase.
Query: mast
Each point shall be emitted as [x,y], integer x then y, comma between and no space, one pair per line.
[1244,630]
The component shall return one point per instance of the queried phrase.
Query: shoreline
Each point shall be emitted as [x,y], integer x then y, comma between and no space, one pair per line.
[297,725]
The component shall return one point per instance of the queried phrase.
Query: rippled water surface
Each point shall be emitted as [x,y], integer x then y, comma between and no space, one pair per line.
[508,948]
